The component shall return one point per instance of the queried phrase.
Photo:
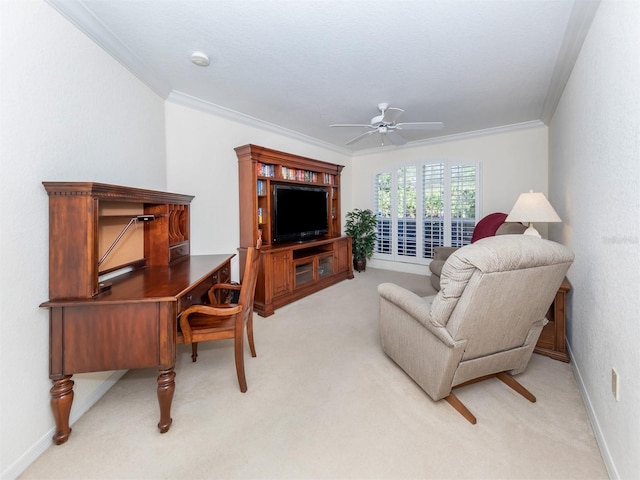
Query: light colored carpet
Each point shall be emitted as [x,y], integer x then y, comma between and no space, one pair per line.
[325,402]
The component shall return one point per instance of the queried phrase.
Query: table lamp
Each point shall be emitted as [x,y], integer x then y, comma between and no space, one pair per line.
[532,207]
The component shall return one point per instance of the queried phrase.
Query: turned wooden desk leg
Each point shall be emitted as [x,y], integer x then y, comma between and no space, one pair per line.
[166,387]
[61,400]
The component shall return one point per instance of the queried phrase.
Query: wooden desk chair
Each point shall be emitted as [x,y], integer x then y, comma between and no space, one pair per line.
[200,323]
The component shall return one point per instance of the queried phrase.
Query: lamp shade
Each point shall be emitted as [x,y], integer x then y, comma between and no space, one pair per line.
[532,207]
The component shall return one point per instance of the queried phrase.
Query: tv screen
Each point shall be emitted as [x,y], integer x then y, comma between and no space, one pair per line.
[300,213]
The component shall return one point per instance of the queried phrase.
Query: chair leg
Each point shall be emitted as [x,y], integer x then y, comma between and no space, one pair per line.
[239,340]
[194,351]
[513,383]
[504,377]
[459,406]
[250,334]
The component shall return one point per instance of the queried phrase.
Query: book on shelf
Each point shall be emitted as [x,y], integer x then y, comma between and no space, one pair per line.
[299,175]
[265,169]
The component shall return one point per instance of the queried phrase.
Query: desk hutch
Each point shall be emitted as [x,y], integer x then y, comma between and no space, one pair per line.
[130,320]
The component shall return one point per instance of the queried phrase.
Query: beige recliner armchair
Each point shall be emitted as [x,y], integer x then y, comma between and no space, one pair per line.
[485,321]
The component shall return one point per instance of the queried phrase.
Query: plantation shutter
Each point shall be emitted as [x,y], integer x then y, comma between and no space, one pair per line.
[463,204]
[406,211]
[382,189]
[433,207]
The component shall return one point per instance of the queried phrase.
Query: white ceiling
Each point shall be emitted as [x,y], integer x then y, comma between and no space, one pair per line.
[301,65]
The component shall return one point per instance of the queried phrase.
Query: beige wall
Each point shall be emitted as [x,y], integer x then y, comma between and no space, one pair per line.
[68,112]
[594,179]
[202,162]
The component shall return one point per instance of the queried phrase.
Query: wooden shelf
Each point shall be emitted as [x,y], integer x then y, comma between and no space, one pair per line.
[86,217]
[259,169]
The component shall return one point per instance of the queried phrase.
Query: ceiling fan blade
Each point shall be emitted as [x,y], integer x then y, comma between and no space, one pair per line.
[354,140]
[391,114]
[350,125]
[420,126]
[396,138]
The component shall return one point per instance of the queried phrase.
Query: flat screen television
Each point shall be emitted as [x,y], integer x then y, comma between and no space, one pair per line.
[299,213]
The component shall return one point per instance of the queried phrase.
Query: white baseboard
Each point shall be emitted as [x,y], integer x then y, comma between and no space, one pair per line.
[595,425]
[398,266]
[45,441]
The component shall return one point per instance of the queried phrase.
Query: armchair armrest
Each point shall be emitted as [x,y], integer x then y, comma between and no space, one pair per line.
[221,286]
[418,308]
[442,253]
[185,326]
[226,286]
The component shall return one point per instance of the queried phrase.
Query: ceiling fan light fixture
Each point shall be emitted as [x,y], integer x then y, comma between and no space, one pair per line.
[386,124]
[201,59]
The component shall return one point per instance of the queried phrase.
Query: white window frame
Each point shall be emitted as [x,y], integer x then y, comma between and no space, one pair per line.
[448,164]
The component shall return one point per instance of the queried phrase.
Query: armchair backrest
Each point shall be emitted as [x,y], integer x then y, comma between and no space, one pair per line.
[488,226]
[494,290]
[249,280]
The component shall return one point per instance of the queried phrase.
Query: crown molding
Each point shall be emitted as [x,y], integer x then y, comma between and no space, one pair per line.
[186,100]
[208,107]
[455,137]
[80,15]
[578,26]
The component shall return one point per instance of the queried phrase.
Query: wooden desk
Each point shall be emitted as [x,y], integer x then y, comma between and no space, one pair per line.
[552,341]
[132,325]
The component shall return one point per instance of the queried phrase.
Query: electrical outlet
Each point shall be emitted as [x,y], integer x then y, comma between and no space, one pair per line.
[615,384]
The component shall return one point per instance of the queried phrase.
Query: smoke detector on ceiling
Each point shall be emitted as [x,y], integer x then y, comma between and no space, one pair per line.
[200,59]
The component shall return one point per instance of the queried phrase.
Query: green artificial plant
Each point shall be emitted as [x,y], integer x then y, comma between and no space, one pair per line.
[361,227]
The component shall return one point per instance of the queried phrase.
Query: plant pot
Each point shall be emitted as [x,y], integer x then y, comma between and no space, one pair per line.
[359,264]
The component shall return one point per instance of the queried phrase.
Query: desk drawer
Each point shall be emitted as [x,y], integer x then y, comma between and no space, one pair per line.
[223,274]
[198,294]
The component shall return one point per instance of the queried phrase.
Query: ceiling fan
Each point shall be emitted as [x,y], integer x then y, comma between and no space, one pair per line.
[385,124]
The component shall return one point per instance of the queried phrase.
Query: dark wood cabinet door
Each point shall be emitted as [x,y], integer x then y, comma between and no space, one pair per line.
[281,272]
[342,255]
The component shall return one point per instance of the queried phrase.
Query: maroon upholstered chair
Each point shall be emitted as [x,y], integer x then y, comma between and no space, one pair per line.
[489,226]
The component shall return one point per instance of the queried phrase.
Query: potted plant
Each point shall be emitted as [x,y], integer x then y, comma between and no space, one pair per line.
[361,227]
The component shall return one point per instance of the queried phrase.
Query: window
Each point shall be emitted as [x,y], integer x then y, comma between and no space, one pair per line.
[423,206]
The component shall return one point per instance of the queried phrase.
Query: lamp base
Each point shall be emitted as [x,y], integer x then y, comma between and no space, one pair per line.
[532,231]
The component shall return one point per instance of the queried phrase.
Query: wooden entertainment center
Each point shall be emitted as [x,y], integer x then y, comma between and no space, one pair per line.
[293,270]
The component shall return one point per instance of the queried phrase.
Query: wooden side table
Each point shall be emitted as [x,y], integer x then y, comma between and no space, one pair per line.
[552,341]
